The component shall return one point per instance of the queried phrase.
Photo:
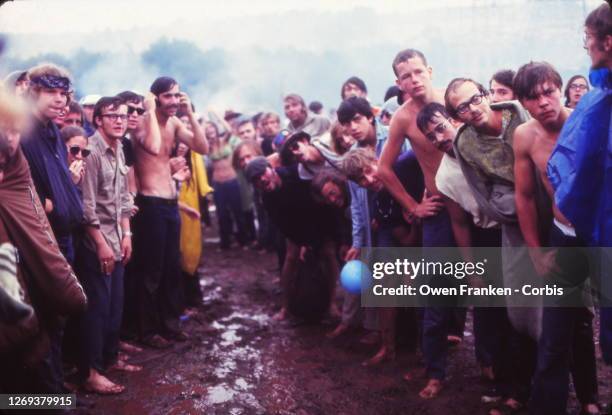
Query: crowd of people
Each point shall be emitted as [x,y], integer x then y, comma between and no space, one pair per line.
[102,203]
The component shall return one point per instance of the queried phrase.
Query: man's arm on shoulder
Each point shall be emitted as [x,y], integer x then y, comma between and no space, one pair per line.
[525,185]
[388,157]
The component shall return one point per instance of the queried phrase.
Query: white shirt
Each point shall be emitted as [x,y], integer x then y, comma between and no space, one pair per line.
[451,182]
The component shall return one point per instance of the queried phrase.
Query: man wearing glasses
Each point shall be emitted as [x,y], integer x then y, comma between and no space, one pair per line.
[106,248]
[579,166]
[483,148]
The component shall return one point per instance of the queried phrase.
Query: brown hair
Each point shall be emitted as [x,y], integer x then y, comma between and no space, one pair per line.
[337,133]
[600,21]
[355,161]
[324,176]
[452,87]
[532,74]
[236,154]
[45,69]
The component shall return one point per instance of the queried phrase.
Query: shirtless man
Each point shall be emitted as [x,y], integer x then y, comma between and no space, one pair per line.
[142,126]
[538,86]
[414,79]
[157,224]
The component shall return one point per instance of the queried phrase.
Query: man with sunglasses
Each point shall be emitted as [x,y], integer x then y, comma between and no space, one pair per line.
[141,127]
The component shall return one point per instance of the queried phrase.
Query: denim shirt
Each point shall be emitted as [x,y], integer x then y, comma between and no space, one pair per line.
[360,206]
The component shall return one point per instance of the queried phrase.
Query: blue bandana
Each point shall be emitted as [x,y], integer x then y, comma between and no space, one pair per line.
[52,81]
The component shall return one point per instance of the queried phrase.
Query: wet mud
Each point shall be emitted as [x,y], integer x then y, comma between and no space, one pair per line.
[240,361]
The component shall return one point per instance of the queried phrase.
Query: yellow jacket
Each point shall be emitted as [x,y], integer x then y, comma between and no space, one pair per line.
[191,229]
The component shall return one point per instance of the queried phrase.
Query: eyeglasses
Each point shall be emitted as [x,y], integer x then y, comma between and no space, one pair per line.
[139,111]
[74,150]
[115,117]
[578,87]
[440,128]
[465,107]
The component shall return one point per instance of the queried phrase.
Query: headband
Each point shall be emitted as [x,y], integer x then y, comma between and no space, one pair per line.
[51,81]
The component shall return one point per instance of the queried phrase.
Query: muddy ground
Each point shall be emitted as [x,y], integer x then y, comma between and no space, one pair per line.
[239,361]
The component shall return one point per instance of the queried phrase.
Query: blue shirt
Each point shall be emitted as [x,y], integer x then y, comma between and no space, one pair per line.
[360,200]
[48,159]
[580,166]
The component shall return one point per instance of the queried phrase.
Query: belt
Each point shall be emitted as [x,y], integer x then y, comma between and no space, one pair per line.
[155,201]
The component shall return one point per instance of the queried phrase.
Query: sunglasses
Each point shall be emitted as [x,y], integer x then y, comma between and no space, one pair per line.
[139,111]
[74,150]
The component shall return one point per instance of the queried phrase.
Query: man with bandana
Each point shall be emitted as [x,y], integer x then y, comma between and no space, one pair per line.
[45,152]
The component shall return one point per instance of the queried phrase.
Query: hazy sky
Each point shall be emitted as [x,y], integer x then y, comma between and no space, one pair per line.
[57,16]
[273,47]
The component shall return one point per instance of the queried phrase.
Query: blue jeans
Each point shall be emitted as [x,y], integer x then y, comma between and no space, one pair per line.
[566,343]
[228,204]
[101,323]
[437,320]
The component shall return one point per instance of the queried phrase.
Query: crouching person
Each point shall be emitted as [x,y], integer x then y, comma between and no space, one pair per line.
[106,247]
[306,224]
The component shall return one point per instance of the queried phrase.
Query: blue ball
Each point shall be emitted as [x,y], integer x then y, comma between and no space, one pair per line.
[354,275]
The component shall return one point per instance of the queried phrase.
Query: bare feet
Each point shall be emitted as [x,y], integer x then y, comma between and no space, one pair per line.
[383,354]
[281,315]
[338,331]
[125,367]
[101,385]
[431,390]
[129,348]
